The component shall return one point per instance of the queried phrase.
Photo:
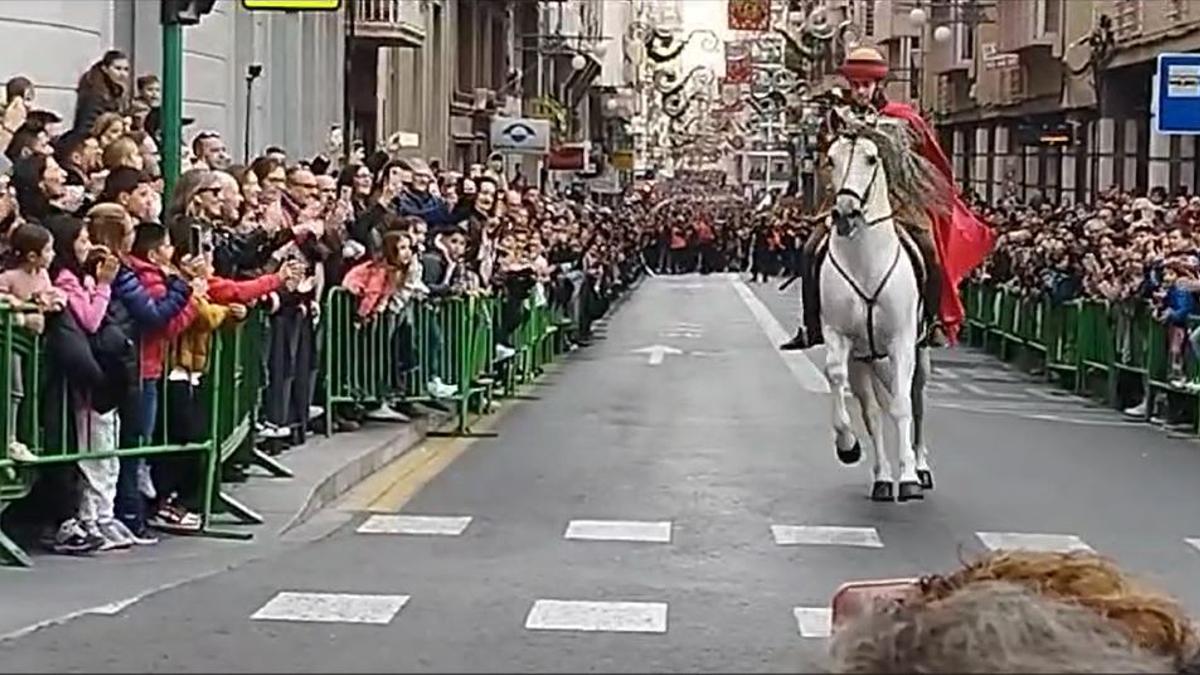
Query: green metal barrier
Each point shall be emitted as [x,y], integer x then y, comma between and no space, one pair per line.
[1091,346]
[390,357]
[229,392]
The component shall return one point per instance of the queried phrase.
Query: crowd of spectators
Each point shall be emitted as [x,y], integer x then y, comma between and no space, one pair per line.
[127,291]
[1133,252]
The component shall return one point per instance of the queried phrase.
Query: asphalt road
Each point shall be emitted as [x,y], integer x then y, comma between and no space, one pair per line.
[687,427]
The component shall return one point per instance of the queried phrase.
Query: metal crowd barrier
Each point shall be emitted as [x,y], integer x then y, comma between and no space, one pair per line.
[1092,347]
[389,358]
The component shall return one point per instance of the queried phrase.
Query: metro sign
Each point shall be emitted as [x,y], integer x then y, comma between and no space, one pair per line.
[293,5]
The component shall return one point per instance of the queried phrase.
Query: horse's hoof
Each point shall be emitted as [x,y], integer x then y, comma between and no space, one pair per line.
[926,478]
[850,456]
[910,490]
[881,491]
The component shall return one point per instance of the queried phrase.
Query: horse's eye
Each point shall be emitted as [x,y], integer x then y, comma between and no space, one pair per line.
[871,160]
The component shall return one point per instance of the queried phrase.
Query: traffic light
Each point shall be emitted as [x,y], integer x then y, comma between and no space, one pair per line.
[185,12]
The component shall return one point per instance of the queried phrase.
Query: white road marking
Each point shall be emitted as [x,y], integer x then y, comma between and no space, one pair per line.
[657,353]
[1195,542]
[980,391]
[802,367]
[826,535]
[981,407]
[113,608]
[606,617]
[936,387]
[331,608]
[813,622]
[386,523]
[1060,543]
[945,373]
[620,530]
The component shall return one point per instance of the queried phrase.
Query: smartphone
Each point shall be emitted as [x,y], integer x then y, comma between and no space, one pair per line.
[858,598]
[194,240]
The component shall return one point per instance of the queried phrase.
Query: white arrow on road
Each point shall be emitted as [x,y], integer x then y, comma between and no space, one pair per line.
[657,353]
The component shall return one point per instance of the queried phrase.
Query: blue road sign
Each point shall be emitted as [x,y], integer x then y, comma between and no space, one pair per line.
[1178,94]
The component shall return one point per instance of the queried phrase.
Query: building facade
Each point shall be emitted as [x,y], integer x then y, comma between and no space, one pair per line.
[1042,97]
[53,41]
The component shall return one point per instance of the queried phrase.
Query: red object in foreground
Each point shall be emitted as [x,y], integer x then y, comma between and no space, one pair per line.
[856,598]
[963,240]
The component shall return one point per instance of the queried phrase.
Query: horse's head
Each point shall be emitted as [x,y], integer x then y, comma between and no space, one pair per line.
[861,183]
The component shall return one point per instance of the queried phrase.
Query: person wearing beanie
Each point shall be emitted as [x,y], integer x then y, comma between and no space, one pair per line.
[952,245]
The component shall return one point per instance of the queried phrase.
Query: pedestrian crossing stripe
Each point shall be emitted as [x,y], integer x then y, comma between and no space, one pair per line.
[598,617]
[1048,543]
[331,608]
[813,622]
[385,523]
[826,535]
[620,530]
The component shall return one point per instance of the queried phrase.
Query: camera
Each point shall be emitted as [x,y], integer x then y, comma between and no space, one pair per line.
[254,70]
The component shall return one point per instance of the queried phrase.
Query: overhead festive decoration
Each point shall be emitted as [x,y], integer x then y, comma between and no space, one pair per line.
[737,62]
[749,14]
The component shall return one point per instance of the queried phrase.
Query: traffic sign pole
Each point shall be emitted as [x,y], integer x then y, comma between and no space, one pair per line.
[172,105]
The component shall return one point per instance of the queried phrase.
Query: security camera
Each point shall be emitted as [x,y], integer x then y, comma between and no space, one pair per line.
[254,70]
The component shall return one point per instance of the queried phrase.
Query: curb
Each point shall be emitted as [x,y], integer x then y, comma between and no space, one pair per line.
[359,469]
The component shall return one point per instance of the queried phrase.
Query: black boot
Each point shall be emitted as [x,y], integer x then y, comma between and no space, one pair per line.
[797,343]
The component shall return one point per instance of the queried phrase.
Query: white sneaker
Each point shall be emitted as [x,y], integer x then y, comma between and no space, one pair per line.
[439,389]
[114,537]
[386,413]
[19,452]
[1138,410]
[504,352]
[146,482]
[315,411]
[269,430]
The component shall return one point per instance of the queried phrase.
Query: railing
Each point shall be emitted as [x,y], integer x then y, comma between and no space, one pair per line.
[390,20]
[387,358]
[1115,352]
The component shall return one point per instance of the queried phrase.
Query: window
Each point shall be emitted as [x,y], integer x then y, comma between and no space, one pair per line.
[869,18]
[1046,17]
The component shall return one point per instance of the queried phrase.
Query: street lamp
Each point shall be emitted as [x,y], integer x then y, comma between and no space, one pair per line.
[578,62]
[942,34]
[917,17]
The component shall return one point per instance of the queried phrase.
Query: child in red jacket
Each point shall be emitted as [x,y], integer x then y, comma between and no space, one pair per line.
[150,261]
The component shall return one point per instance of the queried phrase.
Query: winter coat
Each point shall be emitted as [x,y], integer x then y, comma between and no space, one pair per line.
[154,341]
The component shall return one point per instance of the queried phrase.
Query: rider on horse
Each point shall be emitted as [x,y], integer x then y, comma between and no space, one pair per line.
[951,246]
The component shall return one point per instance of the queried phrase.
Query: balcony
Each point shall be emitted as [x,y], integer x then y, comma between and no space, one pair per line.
[1029,27]
[390,23]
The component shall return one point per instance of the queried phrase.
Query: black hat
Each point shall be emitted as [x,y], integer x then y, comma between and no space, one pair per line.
[153,123]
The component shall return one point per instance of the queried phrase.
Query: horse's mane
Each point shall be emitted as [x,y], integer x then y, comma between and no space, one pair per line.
[915,184]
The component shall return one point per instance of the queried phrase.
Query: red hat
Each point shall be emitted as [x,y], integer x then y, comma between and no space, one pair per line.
[864,63]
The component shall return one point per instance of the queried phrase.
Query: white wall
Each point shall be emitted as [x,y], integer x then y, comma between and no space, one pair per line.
[297,98]
[52,42]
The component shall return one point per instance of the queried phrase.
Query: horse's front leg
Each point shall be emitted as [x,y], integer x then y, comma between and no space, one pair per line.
[902,355]
[862,383]
[921,375]
[837,355]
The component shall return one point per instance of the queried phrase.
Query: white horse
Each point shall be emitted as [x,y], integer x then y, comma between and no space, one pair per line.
[871,304]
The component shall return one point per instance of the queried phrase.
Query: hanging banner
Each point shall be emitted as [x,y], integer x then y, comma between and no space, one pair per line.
[737,62]
[293,5]
[749,14]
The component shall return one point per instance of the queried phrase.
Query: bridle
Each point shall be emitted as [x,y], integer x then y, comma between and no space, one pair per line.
[872,299]
[850,192]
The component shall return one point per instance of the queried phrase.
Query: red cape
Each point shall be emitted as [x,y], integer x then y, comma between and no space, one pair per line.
[962,239]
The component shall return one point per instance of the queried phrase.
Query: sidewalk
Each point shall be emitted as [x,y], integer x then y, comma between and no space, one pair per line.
[60,587]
